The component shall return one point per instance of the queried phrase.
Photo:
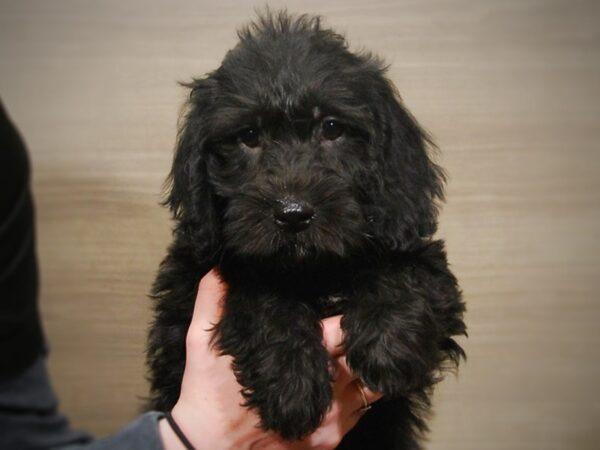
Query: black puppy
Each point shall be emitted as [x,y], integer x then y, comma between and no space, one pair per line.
[299,174]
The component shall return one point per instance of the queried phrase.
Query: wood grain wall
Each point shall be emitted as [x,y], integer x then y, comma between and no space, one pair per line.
[509,89]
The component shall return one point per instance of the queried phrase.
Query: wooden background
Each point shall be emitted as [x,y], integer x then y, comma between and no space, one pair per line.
[511,92]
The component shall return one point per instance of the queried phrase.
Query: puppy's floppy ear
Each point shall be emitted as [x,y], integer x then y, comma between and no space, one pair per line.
[412,185]
[190,195]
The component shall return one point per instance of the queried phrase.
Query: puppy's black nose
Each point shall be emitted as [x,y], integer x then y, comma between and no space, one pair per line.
[293,215]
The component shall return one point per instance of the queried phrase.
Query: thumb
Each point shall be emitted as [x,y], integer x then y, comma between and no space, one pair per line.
[208,307]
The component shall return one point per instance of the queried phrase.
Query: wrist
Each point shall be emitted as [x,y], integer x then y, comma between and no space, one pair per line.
[216,430]
[203,429]
[169,439]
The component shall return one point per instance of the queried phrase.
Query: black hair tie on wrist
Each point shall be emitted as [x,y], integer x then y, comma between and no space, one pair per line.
[184,440]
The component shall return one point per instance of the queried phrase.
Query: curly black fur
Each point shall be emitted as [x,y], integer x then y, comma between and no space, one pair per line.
[254,137]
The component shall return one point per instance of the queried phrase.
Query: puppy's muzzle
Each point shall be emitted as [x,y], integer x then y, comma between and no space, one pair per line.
[293,215]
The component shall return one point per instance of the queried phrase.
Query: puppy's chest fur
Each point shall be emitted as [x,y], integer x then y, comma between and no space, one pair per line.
[326,304]
[331,305]
[326,291]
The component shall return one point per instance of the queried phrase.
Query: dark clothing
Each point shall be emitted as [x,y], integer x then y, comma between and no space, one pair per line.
[29,417]
[21,339]
[29,420]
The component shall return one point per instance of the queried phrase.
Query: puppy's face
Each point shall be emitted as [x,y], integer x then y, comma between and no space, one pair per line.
[296,148]
[290,180]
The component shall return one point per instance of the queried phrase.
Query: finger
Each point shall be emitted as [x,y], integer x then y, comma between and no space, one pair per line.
[333,336]
[348,405]
[362,396]
[349,387]
[209,302]
[342,374]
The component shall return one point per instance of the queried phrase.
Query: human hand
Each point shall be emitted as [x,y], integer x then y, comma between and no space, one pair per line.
[209,410]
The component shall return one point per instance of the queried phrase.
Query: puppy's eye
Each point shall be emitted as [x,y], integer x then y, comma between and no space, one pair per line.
[250,137]
[331,129]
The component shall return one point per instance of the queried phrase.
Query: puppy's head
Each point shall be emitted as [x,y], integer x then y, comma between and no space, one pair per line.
[296,148]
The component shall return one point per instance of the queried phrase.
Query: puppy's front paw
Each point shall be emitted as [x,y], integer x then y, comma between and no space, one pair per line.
[292,392]
[389,361]
[280,363]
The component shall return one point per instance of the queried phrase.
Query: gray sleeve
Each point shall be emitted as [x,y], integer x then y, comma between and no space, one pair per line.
[141,434]
[29,415]
[30,419]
